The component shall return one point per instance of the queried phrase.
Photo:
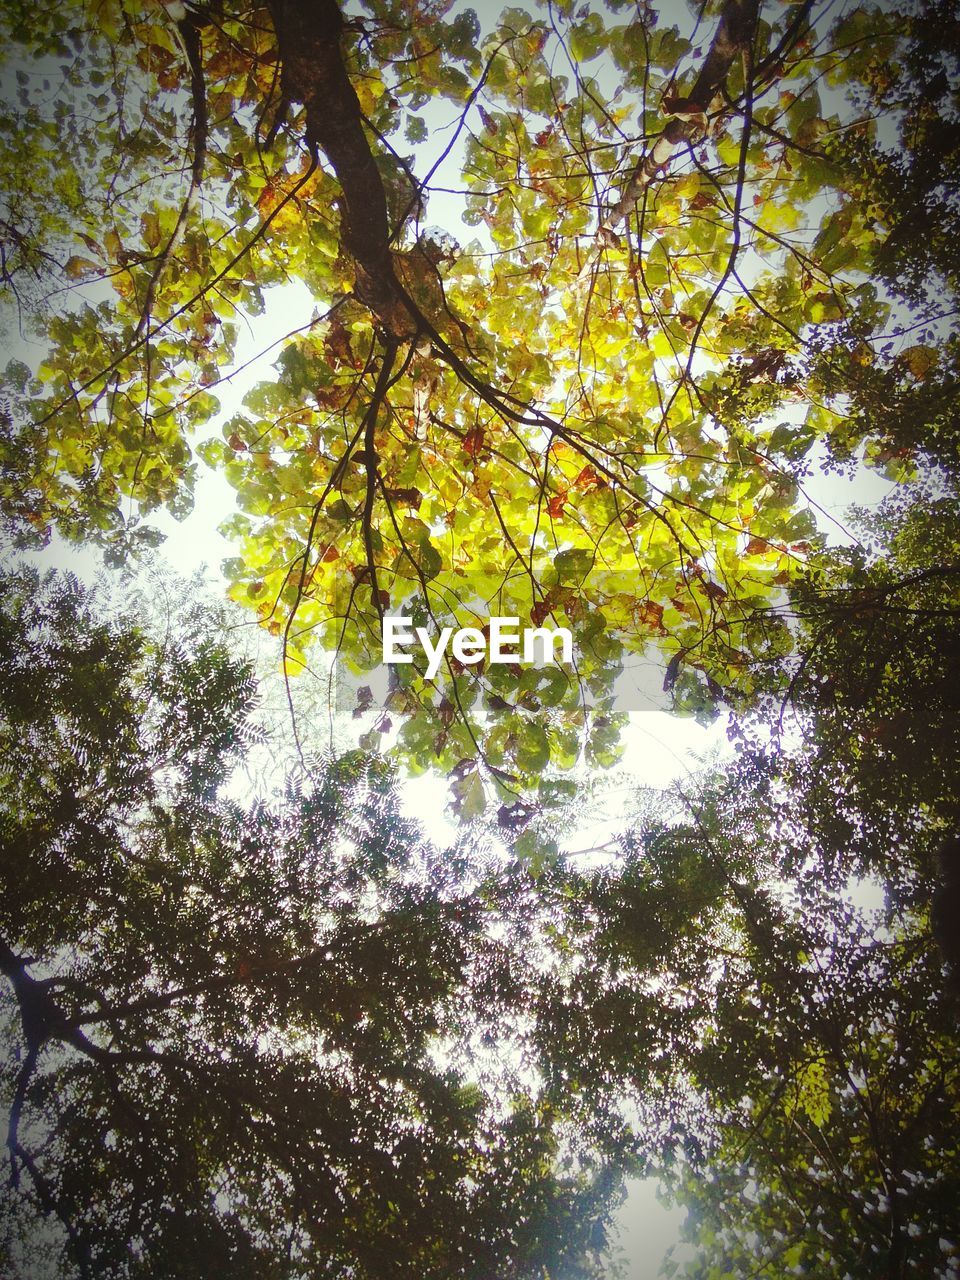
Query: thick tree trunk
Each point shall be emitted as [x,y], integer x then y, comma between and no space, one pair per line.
[309,33]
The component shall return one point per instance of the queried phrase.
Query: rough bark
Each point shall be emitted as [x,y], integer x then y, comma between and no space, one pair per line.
[309,34]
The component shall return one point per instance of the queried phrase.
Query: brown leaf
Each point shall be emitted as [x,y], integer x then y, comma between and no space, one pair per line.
[684,109]
[406,497]
[267,200]
[919,360]
[588,479]
[336,344]
[540,611]
[331,397]
[650,614]
[473,441]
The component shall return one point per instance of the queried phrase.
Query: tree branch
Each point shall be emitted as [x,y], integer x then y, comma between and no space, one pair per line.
[734,32]
[189,29]
[313,72]
[371,463]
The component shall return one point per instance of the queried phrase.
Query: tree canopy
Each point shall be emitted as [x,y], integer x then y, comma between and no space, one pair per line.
[828,1061]
[224,1020]
[286,1037]
[661,283]
[562,312]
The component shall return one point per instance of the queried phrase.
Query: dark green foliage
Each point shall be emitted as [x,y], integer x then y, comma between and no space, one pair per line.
[827,1062]
[875,690]
[827,1059]
[226,1021]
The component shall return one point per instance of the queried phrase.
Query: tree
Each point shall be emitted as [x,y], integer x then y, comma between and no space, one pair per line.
[826,1062]
[573,416]
[872,688]
[231,1029]
[723,997]
[720,1001]
[903,178]
[708,252]
[823,1042]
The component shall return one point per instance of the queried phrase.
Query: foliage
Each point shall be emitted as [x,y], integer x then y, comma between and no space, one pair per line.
[596,411]
[230,1027]
[903,178]
[711,253]
[828,1056]
[873,690]
[210,998]
[724,997]
[830,1064]
[827,1061]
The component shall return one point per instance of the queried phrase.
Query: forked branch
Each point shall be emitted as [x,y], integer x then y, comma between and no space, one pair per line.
[734,33]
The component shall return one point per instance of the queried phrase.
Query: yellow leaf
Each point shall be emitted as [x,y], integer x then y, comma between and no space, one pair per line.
[150,226]
[688,185]
[294,661]
[919,360]
[77,267]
